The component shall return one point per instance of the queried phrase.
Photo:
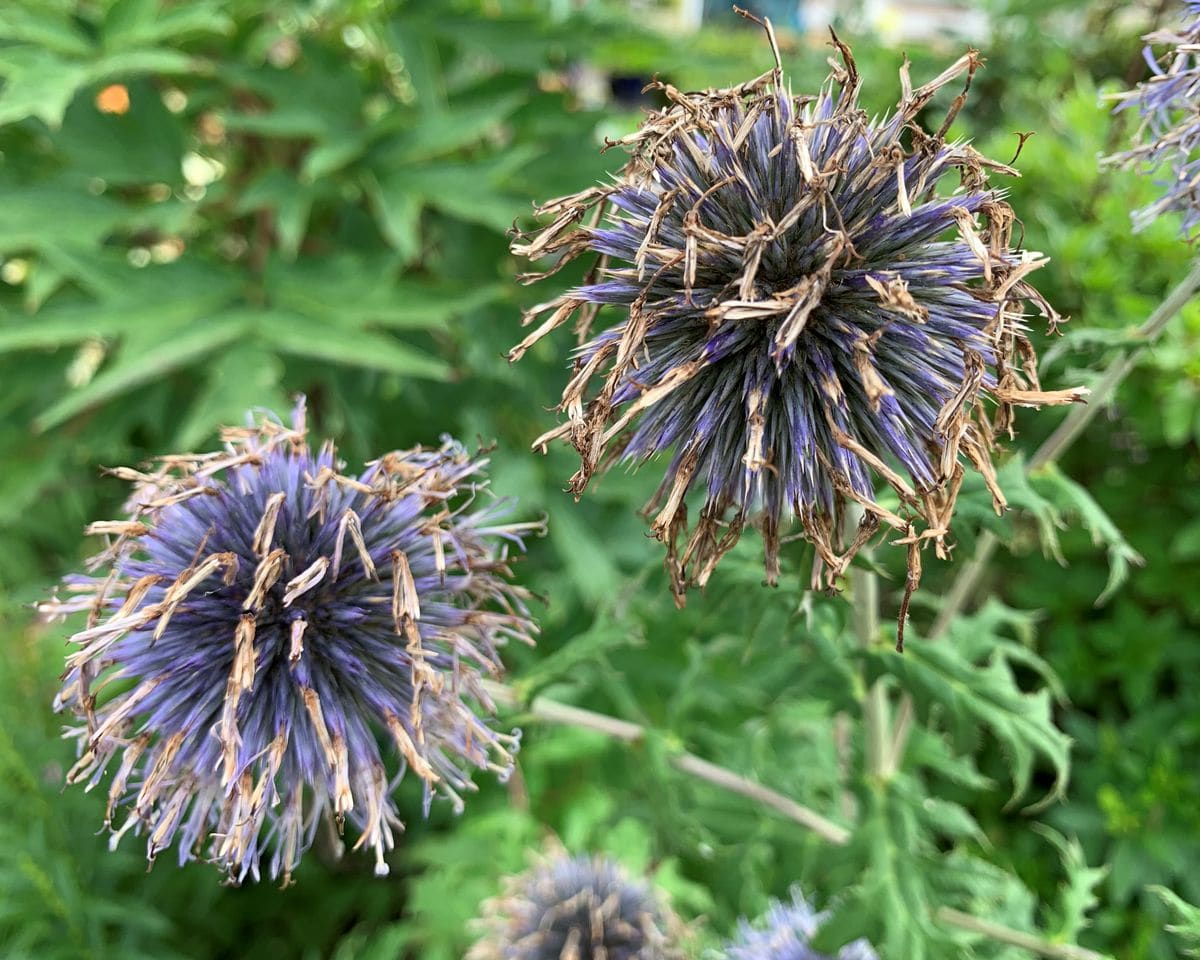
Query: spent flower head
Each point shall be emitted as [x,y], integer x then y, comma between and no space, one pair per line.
[1167,141]
[785,932]
[805,305]
[577,908]
[261,623]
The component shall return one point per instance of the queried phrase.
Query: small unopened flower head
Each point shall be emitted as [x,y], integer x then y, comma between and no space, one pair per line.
[785,933]
[577,908]
[1167,141]
[804,303]
[262,625]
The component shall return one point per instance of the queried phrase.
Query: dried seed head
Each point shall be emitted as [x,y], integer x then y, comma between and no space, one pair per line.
[804,307]
[576,908]
[1167,142]
[784,933]
[247,650]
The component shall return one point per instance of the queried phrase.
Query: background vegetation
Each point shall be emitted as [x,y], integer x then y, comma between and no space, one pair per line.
[212,205]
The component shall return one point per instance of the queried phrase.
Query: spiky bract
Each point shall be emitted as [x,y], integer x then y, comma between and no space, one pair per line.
[262,623]
[1167,142]
[804,307]
[784,933]
[576,908]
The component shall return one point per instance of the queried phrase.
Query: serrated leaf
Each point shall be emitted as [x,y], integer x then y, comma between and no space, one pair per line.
[37,83]
[1071,497]
[986,695]
[1077,893]
[1186,927]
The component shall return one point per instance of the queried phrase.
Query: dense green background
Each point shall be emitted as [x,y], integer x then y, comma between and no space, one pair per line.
[315,199]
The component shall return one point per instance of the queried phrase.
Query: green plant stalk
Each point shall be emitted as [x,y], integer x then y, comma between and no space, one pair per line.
[554,712]
[1025,941]
[876,713]
[1077,420]
[551,711]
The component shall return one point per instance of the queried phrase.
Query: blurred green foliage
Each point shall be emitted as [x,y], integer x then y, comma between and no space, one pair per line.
[209,206]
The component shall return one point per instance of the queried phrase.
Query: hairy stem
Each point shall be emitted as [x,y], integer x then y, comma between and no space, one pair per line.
[876,715]
[555,712]
[551,711]
[1025,941]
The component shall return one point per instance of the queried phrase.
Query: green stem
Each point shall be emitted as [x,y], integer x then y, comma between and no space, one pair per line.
[876,716]
[552,711]
[1025,941]
[555,712]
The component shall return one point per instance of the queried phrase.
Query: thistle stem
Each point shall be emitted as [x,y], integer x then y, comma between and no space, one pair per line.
[876,715]
[1070,430]
[1024,941]
[554,712]
[551,711]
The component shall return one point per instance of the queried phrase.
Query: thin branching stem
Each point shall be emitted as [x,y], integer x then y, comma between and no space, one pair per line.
[552,711]
[1025,941]
[864,583]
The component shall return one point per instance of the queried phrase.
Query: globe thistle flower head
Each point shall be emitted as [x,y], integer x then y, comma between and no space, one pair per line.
[1167,141]
[576,908]
[262,622]
[807,302]
[785,933]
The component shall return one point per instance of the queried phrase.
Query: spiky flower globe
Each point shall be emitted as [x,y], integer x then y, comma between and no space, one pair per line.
[1167,142]
[262,624]
[804,302]
[576,908]
[785,932]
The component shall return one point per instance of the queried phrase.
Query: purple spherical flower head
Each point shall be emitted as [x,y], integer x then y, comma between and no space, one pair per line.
[1167,142]
[262,623]
[803,305]
[784,934]
[576,908]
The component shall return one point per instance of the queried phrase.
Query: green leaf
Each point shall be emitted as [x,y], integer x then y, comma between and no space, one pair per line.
[399,217]
[1071,497]
[125,21]
[302,336]
[36,214]
[457,127]
[984,694]
[1077,893]
[1187,920]
[147,359]
[44,28]
[357,293]
[37,83]
[241,379]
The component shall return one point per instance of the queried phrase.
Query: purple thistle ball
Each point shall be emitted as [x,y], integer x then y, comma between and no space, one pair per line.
[1168,138]
[263,623]
[576,908]
[785,932]
[802,304]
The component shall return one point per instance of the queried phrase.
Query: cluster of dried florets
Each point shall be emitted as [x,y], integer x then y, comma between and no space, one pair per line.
[785,933]
[262,621]
[805,308]
[1168,139]
[577,908]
